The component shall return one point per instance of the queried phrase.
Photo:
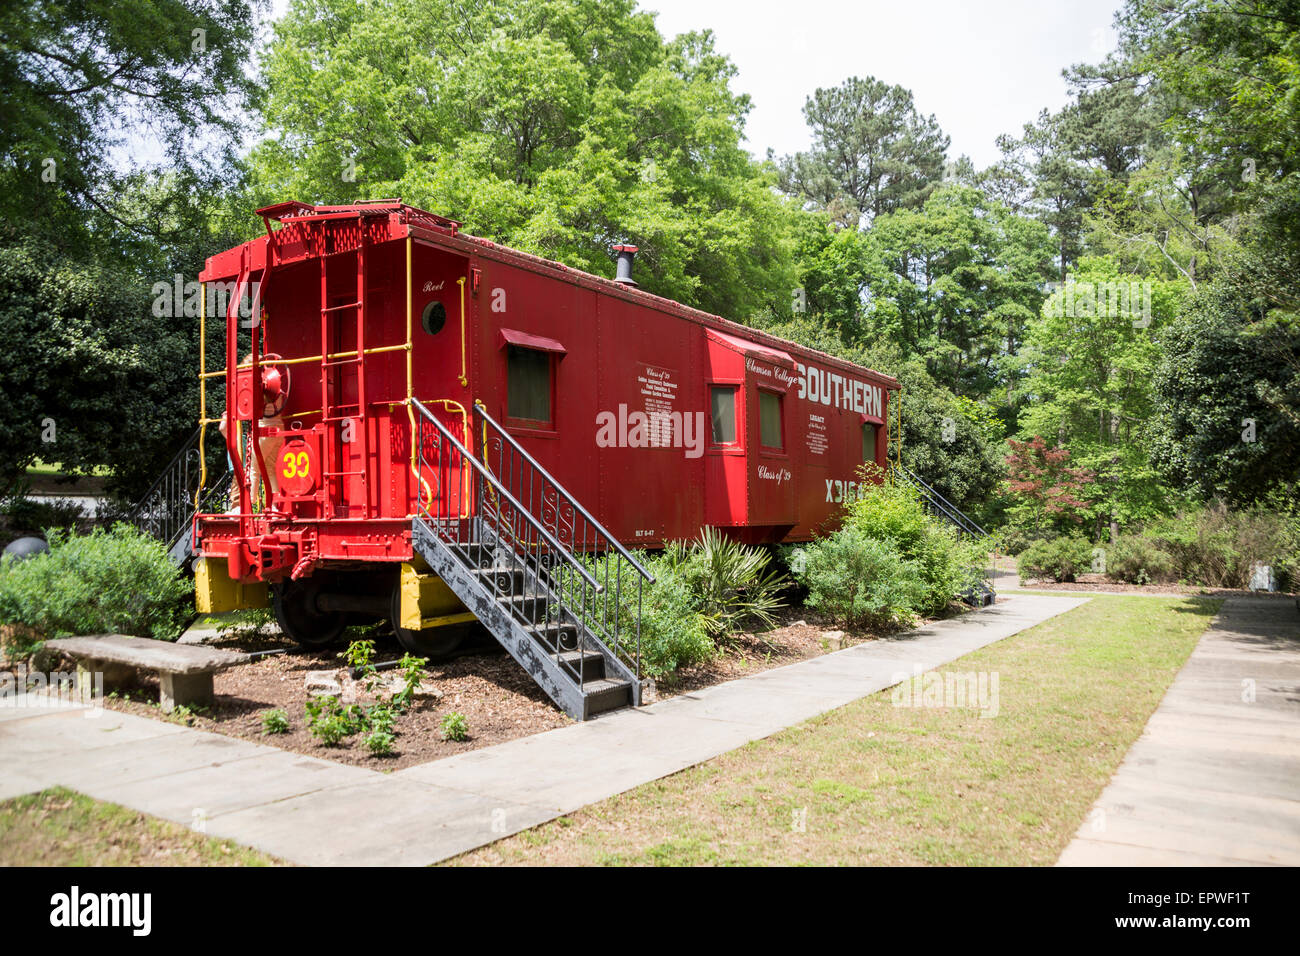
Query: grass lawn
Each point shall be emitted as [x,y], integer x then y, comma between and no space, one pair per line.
[59,827]
[874,783]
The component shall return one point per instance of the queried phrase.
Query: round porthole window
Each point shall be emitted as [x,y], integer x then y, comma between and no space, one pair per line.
[434,317]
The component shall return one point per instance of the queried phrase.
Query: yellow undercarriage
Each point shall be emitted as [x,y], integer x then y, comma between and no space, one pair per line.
[426,601]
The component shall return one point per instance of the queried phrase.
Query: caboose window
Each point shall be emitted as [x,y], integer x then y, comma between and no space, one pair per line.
[722,400]
[869,441]
[528,384]
[769,419]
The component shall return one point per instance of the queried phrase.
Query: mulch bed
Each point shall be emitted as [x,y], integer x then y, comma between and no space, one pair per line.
[497,697]
[1099,582]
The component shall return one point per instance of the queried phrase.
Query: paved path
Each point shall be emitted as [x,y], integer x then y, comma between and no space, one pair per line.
[317,812]
[1215,778]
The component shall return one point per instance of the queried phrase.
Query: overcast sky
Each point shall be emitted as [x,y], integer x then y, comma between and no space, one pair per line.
[982,67]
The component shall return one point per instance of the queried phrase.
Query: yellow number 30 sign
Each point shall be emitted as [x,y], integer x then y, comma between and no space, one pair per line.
[297,476]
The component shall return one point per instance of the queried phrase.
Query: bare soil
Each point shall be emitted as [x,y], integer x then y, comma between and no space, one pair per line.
[497,697]
[1099,582]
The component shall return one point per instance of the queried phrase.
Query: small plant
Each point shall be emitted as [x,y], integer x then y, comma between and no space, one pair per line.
[455,726]
[411,670]
[275,721]
[329,721]
[360,656]
[380,743]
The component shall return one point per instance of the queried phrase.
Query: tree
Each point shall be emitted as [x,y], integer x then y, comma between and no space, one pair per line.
[1089,356]
[1046,491]
[872,152]
[91,377]
[76,76]
[954,282]
[556,126]
[1219,428]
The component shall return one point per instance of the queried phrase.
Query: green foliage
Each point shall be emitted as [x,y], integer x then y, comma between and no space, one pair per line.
[1220,423]
[732,583]
[703,591]
[330,722]
[674,632]
[945,566]
[1135,559]
[859,579]
[1216,547]
[555,126]
[454,726]
[1091,352]
[117,581]
[1061,559]
[872,152]
[275,721]
[360,656]
[411,669]
[25,516]
[64,97]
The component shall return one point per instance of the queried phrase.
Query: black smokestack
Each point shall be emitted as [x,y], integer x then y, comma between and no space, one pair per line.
[625,255]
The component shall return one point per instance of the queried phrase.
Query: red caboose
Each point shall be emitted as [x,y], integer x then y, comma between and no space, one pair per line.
[434,428]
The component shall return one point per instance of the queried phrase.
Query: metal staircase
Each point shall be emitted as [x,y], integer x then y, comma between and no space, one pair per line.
[980,593]
[554,588]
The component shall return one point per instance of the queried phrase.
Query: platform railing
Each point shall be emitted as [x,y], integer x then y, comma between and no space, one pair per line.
[981,591]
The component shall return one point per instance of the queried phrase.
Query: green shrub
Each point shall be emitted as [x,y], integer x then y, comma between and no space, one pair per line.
[380,742]
[1215,547]
[118,581]
[732,583]
[455,726]
[1061,559]
[945,565]
[1137,560]
[859,579]
[26,516]
[275,721]
[674,632]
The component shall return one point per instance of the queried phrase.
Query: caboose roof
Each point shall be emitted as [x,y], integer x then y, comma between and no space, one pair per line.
[299,237]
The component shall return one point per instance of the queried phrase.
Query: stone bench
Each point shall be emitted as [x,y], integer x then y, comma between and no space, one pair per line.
[184,671]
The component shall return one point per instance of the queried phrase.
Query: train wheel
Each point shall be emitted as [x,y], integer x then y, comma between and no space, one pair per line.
[295,609]
[433,643]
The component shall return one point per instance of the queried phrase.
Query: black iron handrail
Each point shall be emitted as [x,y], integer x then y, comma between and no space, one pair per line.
[167,508]
[575,527]
[548,588]
[939,503]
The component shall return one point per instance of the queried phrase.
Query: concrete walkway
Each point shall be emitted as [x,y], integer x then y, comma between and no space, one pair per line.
[317,812]
[1215,777]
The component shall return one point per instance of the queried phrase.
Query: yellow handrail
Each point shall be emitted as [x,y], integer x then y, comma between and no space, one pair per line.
[463,380]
